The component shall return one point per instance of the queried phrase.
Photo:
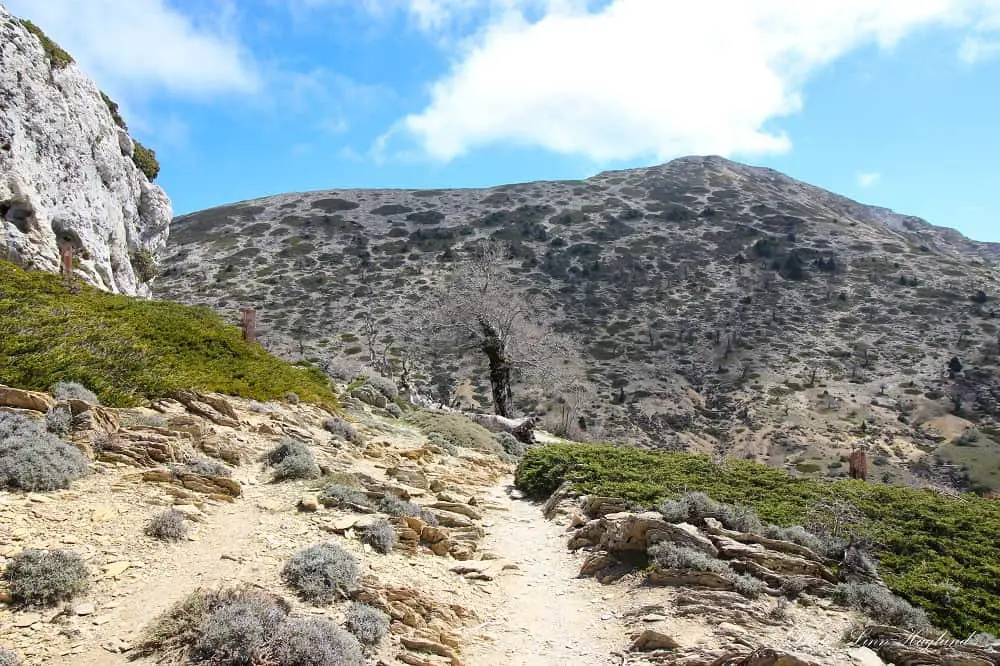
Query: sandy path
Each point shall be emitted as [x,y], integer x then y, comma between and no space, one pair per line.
[542,614]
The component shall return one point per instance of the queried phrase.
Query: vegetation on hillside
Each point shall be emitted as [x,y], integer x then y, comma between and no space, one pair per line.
[56,55]
[939,553]
[113,108]
[127,349]
[145,159]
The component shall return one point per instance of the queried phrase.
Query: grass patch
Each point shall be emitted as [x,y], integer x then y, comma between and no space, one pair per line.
[940,554]
[455,429]
[128,349]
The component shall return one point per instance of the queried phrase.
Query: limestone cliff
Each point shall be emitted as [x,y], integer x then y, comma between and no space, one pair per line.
[67,176]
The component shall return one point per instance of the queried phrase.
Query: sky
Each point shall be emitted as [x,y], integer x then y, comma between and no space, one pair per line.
[890,102]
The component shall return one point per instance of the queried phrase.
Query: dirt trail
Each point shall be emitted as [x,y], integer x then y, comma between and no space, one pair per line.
[541,613]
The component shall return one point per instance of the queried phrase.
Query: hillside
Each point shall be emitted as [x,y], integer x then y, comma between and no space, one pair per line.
[714,306]
[128,349]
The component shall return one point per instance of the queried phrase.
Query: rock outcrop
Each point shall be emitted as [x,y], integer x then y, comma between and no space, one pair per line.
[67,177]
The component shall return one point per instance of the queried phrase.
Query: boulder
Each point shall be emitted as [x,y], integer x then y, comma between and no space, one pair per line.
[22,399]
[650,639]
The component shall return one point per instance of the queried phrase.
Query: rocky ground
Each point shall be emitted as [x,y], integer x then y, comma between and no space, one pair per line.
[494,583]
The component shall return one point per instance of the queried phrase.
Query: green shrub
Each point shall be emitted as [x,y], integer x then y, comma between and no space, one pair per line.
[336,494]
[57,57]
[8,658]
[292,459]
[144,264]
[131,349]
[113,109]
[511,445]
[292,398]
[45,577]
[381,536]
[321,573]
[939,553]
[145,159]
[167,525]
[33,459]
[369,625]
[748,586]
[73,391]
[827,546]
[455,429]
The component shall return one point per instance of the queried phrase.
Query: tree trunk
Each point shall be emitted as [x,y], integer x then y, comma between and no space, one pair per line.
[493,347]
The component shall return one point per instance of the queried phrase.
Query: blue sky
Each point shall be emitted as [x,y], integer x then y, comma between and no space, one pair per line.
[891,102]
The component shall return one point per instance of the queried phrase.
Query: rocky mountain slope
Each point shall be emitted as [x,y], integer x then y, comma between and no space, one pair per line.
[69,172]
[480,577]
[713,306]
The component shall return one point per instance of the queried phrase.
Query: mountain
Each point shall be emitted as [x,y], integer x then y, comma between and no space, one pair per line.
[70,174]
[713,306]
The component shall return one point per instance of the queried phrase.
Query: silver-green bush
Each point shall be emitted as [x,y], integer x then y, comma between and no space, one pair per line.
[73,391]
[9,658]
[237,633]
[343,430]
[45,577]
[31,458]
[369,625]
[321,573]
[314,641]
[292,459]
[337,494]
[881,605]
[381,536]
[59,421]
[394,506]
[667,555]
[167,525]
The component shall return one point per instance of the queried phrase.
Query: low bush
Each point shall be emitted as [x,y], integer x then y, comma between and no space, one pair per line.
[748,586]
[292,398]
[923,538]
[881,605]
[176,631]
[667,555]
[381,536]
[73,391]
[57,57]
[695,507]
[292,459]
[131,349]
[45,577]
[206,467]
[825,545]
[336,494]
[168,525]
[59,421]
[315,641]
[438,440]
[383,385]
[321,573]
[369,625]
[8,658]
[341,429]
[131,419]
[455,429]
[145,159]
[511,445]
[33,459]
[238,632]
[144,264]
[394,506]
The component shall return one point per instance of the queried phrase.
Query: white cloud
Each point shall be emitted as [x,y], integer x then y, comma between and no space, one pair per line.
[869,179]
[975,49]
[628,79]
[134,46]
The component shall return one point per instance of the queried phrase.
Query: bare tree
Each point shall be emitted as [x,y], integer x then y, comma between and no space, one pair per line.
[479,309]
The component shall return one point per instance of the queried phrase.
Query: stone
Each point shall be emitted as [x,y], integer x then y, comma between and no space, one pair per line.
[650,639]
[684,577]
[682,534]
[308,503]
[20,398]
[450,519]
[409,474]
[84,609]
[458,507]
[371,396]
[597,561]
[116,569]
[73,186]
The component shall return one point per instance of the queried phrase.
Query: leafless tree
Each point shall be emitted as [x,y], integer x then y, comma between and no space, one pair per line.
[479,309]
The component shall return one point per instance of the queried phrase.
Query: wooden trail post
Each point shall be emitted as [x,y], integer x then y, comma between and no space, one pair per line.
[249,324]
[859,464]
